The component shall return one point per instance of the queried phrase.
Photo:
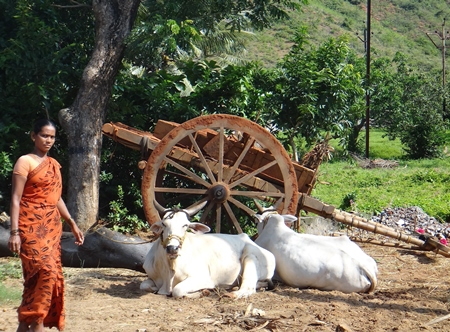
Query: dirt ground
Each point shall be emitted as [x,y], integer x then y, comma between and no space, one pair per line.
[413,292]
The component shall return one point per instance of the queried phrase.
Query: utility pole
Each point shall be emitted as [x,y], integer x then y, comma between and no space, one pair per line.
[366,41]
[443,36]
[367,37]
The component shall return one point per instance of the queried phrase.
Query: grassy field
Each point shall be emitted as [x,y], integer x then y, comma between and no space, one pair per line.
[423,183]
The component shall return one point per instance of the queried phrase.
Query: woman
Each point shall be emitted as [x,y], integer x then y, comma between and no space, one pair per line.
[36,211]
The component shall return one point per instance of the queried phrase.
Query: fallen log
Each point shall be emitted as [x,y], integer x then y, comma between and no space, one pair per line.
[102,248]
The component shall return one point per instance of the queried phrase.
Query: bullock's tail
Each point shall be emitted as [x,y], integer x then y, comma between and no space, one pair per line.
[373,281]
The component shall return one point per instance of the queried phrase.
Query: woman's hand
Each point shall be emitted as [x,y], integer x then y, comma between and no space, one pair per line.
[14,243]
[79,236]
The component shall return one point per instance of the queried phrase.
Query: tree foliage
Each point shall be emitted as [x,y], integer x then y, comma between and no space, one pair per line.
[409,105]
[318,89]
[43,49]
[199,29]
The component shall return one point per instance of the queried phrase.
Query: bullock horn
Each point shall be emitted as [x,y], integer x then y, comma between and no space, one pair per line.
[159,207]
[195,208]
[258,206]
[277,204]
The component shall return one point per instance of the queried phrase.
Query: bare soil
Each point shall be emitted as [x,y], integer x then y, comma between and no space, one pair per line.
[412,293]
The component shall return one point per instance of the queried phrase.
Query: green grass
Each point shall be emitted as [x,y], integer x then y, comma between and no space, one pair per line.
[383,148]
[379,146]
[11,269]
[423,183]
[10,296]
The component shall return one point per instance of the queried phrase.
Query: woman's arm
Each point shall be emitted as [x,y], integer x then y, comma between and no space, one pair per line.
[79,237]
[18,185]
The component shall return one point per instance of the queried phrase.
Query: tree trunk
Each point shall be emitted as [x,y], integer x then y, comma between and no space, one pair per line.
[84,119]
[352,145]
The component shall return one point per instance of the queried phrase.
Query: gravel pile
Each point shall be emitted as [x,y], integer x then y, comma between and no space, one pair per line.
[412,220]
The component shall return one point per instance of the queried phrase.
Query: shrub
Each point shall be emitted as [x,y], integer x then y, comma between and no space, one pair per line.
[120,219]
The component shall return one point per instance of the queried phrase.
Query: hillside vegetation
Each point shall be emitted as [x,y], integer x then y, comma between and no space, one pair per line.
[396,25]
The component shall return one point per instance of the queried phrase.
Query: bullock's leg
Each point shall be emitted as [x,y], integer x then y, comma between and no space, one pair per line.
[167,282]
[191,287]
[149,285]
[249,276]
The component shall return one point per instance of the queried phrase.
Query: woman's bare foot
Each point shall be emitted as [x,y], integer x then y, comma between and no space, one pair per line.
[35,327]
[23,327]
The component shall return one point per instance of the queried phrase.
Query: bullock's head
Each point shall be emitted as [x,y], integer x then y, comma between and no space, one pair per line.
[174,225]
[270,215]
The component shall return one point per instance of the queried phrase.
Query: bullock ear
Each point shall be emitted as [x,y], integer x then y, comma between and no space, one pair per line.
[156,228]
[197,227]
[289,219]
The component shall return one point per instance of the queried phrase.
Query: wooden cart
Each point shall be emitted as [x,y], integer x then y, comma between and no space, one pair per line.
[230,161]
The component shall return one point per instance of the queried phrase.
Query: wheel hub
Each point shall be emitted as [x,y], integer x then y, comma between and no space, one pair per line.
[218,193]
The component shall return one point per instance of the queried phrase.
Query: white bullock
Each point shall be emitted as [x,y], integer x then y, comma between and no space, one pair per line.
[313,261]
[182,263]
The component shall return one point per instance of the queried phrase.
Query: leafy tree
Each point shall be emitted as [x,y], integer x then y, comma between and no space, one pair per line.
[318,90]
[408,105]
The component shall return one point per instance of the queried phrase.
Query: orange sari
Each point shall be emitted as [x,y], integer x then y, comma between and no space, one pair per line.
[40,230]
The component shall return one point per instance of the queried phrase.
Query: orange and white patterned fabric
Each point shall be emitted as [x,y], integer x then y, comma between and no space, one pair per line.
[40,230]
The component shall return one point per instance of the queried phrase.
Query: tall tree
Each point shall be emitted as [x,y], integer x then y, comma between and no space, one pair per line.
[84,119]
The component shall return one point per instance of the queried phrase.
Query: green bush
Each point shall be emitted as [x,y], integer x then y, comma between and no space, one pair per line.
[120,219]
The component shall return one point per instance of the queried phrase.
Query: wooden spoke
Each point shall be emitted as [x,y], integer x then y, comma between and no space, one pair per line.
[255,194]
[181,190]
[203,160]
[204,217]
[247,146]
[218,217]
[241,206]
[194,176]
[252,174]
[232,217]
[221,149]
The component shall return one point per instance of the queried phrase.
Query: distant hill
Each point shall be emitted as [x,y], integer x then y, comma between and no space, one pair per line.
[396,25]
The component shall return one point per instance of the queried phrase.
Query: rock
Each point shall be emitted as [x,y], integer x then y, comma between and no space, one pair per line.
[342,327]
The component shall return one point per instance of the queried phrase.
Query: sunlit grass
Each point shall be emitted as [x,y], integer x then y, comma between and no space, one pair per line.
[423,183]
[381,147]
[10,295]
[11,268]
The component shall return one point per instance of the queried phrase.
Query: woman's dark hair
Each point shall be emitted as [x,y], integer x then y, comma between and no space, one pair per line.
[42,123]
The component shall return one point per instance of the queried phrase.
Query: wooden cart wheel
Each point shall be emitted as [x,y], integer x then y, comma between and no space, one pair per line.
[224,159]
